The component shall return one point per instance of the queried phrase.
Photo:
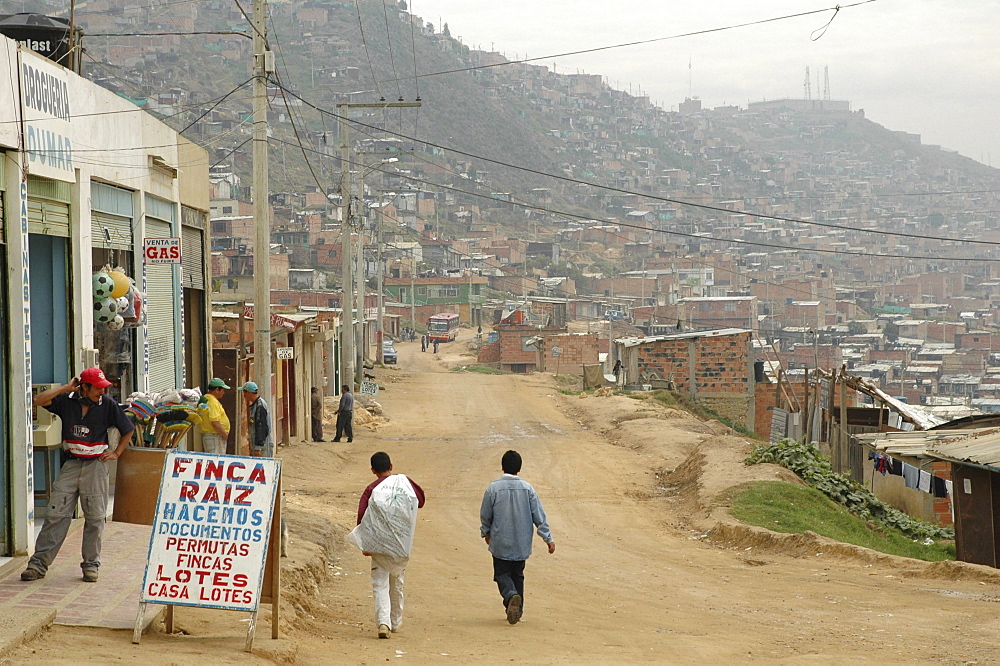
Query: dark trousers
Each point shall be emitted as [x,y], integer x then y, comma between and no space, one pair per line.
[317,428]
[344,425]
[509,577]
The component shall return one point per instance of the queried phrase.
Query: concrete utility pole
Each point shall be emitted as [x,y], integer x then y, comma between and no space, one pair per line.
[348,352]
[263,61]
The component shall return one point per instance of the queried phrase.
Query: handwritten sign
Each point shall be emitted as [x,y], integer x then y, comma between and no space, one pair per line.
[286,353]
[211,530]
[369,388]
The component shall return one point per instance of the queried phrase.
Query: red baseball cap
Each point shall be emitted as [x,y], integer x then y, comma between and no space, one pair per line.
[94,377]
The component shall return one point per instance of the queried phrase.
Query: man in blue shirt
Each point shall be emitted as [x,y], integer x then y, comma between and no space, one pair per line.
[509,513]
[345,414]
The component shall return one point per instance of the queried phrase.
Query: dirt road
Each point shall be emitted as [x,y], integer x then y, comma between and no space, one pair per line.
[632,579]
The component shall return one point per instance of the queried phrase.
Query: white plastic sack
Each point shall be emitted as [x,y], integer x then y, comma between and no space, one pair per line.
[391,519]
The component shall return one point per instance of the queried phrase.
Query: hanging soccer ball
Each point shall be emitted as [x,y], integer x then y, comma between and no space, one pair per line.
[105,310]
[103,285]
[116,323]
[121,283]
[123,303]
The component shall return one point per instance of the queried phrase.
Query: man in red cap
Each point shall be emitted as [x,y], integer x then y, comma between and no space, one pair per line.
[86,417]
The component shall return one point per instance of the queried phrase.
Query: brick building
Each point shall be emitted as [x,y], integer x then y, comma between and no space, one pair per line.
[714,368]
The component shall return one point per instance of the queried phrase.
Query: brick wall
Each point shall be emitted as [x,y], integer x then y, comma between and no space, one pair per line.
[489,353]
[722,370]
[576,350]
[942,505]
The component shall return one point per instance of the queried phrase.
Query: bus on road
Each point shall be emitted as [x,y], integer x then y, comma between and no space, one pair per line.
[442,327]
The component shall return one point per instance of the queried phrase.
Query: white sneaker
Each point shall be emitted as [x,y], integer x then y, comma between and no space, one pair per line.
[383,631]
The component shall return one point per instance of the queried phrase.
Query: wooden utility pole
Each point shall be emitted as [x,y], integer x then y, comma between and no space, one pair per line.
[263,64]
[349,371]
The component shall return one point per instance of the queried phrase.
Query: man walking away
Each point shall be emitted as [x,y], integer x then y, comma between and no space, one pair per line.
[345,414]
[510,510]
[214,421]
[388,570]
[316,405]
[86,415]
[423,343]
[258,422]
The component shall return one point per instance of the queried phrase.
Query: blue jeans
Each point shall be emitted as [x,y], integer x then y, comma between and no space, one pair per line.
[509,577]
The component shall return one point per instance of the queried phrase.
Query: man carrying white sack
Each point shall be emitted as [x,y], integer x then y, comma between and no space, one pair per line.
[387,519]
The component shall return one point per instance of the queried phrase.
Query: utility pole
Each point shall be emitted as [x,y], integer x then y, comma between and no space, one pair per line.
[348,353]
[263,64]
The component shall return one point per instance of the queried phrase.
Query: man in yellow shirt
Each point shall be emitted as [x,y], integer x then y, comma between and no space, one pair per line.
[214,421]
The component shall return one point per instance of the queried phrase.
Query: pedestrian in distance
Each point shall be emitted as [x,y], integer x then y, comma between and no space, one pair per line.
[87,415]
[423,343]
[510,512]
[316,407]
[345,414]
[435,346]
[388,570]
[215,424]
[617,369]
[258,422]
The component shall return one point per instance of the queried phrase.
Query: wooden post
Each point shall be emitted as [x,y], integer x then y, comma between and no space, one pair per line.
[240,380]
[137,632]
[845,438]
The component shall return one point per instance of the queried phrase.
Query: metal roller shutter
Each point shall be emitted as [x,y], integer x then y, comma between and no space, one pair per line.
[111,217]
[193,258]
[160,325]
[48,207]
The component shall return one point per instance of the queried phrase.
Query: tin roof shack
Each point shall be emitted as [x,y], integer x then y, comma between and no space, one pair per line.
[715,368]
[910,448]
[975,459]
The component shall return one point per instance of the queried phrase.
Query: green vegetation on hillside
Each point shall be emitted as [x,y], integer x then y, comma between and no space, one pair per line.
[786,507]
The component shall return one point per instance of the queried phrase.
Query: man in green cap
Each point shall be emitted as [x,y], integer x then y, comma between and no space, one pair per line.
[214,420]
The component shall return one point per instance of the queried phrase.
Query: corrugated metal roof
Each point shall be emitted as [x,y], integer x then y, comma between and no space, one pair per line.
[980,447]
[948,444]
[632,342]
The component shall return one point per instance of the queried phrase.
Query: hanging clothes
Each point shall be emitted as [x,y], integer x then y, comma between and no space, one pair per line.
[911,475]
[939,487]
[924,483]
[895,467]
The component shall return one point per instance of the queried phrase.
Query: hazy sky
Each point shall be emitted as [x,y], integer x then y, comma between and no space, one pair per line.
[931,68]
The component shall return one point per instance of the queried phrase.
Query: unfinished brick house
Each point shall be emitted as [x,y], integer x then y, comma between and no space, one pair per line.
[715,368]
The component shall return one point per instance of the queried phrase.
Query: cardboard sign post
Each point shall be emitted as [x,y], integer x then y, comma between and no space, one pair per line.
[211,534]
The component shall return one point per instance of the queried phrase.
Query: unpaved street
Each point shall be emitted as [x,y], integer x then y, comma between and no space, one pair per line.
[631,580]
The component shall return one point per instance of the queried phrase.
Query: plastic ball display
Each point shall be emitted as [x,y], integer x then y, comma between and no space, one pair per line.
[117,323]
[105,310]
[122,284]
[103,285]
[122,303]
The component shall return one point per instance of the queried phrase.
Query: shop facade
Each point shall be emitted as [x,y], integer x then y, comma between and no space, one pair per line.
[85,180]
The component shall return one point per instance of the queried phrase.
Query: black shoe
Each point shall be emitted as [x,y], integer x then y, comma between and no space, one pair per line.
[319,440]
[350,440]
[31,574]
[337,439]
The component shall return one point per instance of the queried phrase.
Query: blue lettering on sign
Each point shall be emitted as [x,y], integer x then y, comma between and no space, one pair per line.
[49,148]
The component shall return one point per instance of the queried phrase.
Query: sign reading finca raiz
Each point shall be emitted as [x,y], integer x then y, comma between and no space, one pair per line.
[211,531]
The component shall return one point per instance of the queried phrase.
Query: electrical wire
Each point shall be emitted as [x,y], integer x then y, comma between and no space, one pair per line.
[392,60]
[364,43]
[211,108]
[645,41]
[702,237]
[652,197]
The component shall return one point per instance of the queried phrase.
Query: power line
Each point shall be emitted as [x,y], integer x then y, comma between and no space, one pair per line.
[168,34]
[702,237]
[364,43]
[392,60]
[654,197]
[646,41]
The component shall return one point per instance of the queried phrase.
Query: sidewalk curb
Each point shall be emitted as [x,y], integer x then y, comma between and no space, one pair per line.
[15,630]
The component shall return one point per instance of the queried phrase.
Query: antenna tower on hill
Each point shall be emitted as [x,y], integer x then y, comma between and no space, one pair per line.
[826,82]
[807,85]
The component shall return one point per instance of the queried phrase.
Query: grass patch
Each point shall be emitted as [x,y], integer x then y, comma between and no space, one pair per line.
[481,369]
[785,507]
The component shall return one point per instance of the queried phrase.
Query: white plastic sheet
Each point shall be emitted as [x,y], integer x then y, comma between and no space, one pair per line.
[391,519]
